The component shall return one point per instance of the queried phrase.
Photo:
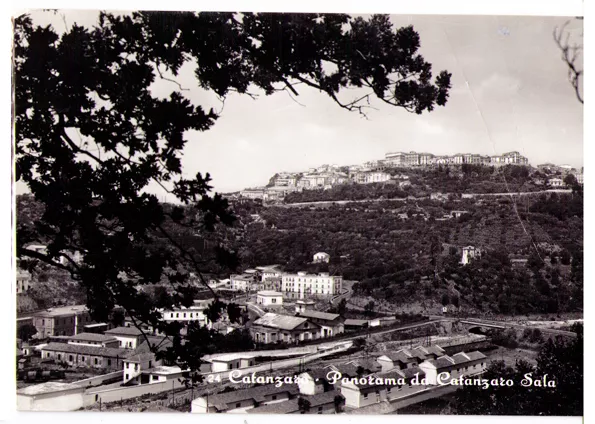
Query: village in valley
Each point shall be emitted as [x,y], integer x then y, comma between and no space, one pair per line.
[298,213]
[318,344]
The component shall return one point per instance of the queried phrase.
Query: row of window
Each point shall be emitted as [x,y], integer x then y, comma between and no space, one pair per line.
[177,315]
[71,359]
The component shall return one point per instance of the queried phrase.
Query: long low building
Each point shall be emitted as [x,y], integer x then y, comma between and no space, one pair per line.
[243,400]
[322,403]
[271,328]
[80,355]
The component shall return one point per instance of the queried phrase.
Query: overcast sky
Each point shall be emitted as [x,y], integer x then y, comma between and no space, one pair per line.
[510,92]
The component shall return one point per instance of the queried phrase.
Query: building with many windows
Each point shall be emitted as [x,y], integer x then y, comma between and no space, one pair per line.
[62,321]
[303,285]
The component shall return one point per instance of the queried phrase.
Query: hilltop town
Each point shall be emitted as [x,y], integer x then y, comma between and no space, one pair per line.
[393,169]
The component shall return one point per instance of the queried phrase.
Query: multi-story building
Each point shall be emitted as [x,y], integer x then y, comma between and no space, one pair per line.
[243,282]
[394,159]
[303,285]
[62,321]
[370,177]
[285,180]
[426,159]
[182,314]
[398,159]
[253,193]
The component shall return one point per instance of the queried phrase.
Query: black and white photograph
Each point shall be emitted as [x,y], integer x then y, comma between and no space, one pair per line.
[298,213]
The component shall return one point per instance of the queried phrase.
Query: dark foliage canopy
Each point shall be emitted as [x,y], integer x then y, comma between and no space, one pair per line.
[561,360]
[90,136]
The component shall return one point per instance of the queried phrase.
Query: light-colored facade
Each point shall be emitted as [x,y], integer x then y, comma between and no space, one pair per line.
[556,182]
[129,337]
[231,361]
[190,314]
[303,285]
[322,257]
[23,282]
[51,397]
[446,368]
[272,328]
[412,159]
[253,193]
[269,298]
[330,324]
[93,339]
[85,356]
[470,253]
[370,177]
[244,282]
[135,365]
[62,321]
[240,401]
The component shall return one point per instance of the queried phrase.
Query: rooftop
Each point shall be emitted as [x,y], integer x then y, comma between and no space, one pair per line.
[408,373]
[125,331]
[356,322]
[231,357]
[269,293]
[290,406]
[319,315]
[141,357]
[48,387]
[346,370]
[63,310]
[284,322]
[258,393]
[92,337]
[163,370]
[87,350]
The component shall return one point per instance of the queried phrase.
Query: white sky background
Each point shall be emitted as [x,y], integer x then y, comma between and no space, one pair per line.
[510,92]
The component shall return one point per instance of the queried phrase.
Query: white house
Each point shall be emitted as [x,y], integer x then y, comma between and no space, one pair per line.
[242,282]
[269,298]
[51,396]
[330,324]
[322,257]
[304,305]
[231,361]
[447,368]
[360,395]
[556,182]
[469,253]
[134,366]
[129,337]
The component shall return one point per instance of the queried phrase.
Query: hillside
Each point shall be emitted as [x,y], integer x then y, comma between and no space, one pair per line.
[425,181]
[416,259]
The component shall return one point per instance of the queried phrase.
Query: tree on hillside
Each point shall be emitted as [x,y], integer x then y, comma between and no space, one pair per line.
[560,359]
[26,331]
[342,307]
[369,308]
[91,136]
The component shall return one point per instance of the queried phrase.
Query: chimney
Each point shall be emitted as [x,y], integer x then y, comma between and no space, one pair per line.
[76,324]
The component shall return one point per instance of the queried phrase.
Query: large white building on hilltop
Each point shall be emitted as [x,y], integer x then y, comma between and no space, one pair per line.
[410,159]
[303,285]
